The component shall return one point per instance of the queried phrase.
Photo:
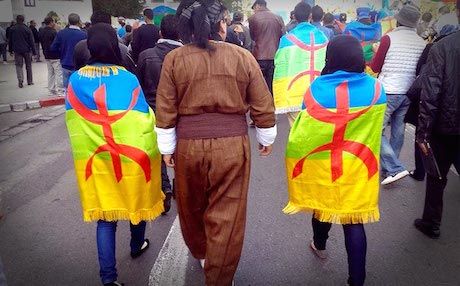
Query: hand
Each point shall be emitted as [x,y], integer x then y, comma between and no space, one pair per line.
[375,47]
[265,150]
[169,160]
[238,29]
[423,148]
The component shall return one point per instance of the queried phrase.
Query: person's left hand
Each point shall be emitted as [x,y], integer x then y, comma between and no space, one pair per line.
[169,160]
[423,148]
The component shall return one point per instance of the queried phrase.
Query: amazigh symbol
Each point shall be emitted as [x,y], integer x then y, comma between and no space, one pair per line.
[310,48]
[105,120]
[340,119]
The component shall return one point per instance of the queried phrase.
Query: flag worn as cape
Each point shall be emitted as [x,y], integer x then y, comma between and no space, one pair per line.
[117,161]
[298,61]
[332,154]
[366,35]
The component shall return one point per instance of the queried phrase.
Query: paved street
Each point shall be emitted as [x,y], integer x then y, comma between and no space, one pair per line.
[43,240]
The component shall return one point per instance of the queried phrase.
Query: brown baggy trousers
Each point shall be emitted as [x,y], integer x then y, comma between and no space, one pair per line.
[212,180]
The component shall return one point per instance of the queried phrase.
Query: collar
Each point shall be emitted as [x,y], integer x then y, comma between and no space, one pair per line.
[74,27]
[169,41]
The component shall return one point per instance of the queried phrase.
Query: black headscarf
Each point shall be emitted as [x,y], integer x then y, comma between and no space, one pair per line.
[344,53]
[103,45]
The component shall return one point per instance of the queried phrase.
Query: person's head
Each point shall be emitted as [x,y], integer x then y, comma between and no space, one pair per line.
[343,17]
[238,17]
[122,21]
[200,23]
[129,28]
[426,17]
[408,16]
[317,13]
[20,19]
[49,21]
[362,13]
[227,19]
[169,27]
[258,4]
[344,53]
[100,17]
[328,19]
[148,15]
[302,12]
[74,19]
[33,23]
[103,45]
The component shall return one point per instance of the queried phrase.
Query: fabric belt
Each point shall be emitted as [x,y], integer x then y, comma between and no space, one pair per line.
[211,125]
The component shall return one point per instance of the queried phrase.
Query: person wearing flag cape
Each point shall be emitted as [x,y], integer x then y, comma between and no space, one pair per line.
[333,150]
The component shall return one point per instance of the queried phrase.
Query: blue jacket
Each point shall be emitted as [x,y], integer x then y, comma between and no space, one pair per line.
[65,43]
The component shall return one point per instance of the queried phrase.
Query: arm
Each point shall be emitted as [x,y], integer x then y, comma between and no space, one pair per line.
[380,54]
[56,45]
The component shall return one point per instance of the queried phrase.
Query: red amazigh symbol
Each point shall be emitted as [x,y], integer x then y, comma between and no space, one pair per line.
[310,48]
[105,120]
[340,119]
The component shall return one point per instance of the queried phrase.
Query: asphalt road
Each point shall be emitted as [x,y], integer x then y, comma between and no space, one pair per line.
[43,240]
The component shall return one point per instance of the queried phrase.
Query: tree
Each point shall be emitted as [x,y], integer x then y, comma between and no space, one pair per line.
[125,8]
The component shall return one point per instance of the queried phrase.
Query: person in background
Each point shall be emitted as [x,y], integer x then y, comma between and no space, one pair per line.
[100,95]
[128,37]
[33,28]
[3,44]
[292,22]
[242,31]
[395,60]
[439,124]
[149,67]
[232,35]
[322,180]
[47,36]
[65,43]
[317,15]
[12,23]
[329,22]
[121,31]
[206,88]
[21,44]
[146,36]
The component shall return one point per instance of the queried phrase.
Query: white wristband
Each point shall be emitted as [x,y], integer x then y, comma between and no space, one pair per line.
[266,136]
[166,139]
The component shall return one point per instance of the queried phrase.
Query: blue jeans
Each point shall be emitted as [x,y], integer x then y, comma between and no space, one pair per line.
[65,77]
[397,106]
[355,244]
[105,237]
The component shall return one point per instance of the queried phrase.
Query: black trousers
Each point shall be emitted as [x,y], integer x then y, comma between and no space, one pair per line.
[446,149]
[268,68]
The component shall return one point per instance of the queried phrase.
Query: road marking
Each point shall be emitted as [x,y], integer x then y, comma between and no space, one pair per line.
[171,265]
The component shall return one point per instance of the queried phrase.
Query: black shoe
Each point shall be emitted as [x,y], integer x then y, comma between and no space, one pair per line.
[20,85]
[144,247]
[414,175]
[31,83]
[167,203]
[114,283]
[426,230]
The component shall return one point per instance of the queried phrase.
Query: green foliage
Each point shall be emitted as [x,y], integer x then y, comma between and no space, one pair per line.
[125,8]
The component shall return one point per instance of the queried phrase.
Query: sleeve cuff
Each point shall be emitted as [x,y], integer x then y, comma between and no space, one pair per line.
[166,139]
[266,136]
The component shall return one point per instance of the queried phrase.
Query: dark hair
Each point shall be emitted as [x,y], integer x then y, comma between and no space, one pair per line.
[302,12]
[128,28]
[48,20]
[262,3]
[317,13]
[169,27]
[426,17]
[74,19]
[328,18]
[344,53]
[100,17]
[343,17]
[148,13]
[20,18]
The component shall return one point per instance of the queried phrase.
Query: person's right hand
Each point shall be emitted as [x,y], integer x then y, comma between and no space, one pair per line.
[169,160]
[265,150]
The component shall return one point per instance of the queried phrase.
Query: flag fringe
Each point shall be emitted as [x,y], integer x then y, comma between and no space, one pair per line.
[283,110]
[123,214]
[367,216]
[99,71]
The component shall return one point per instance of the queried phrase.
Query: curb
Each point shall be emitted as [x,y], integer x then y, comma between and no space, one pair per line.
[32,104]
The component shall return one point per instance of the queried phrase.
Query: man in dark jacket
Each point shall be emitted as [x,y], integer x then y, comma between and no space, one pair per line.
[21,43]
[146,36]
[33,28]
[149,67]
[47,35]
[439,125]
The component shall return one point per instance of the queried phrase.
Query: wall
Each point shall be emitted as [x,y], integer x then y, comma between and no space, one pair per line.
[6,14]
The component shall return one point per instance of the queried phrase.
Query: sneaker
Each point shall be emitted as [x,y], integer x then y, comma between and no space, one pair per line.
[320,253]
[31,83]
[144,247]
[167,202]
[20,85]
[414,175]
[394,178]
[426,229]
[114,283]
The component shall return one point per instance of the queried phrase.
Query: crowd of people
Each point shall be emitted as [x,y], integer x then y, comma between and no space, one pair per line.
[201,73]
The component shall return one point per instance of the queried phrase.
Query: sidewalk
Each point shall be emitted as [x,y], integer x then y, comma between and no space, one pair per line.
[13,98]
